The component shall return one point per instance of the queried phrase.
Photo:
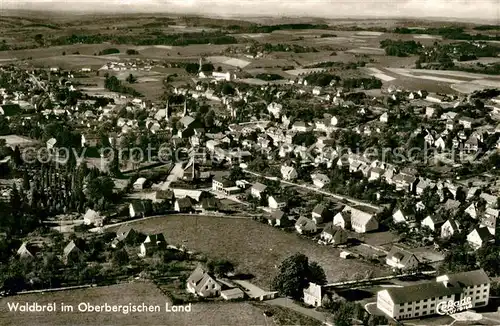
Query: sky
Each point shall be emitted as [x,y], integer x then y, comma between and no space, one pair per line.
[467,9]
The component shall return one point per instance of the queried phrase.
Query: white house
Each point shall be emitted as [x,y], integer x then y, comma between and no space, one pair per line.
[334,235]
[432,222]
[479,237]
[202,284]
[449,228]
[92,217]
[358,221]
[400,217]
[320,180]
[288,173]
[258,190]
[305,226]
[276,202]
[139,183]
[401,259]
[320,214]
[275,109]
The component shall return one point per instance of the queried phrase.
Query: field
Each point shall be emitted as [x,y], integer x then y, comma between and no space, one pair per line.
[123,294]
[256,248]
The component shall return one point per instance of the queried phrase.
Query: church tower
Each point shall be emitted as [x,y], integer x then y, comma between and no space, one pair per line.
[184,113]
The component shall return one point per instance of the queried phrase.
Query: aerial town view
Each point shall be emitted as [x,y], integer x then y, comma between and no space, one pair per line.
[245,162]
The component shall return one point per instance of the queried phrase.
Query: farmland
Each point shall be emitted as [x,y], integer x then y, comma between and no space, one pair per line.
[123,294]
[255,248]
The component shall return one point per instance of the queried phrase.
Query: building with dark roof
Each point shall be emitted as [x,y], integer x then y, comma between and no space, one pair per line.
[470,289]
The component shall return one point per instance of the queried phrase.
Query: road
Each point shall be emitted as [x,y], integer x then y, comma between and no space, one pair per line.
[375,279]
[287,303]
[176,173]
[312,188]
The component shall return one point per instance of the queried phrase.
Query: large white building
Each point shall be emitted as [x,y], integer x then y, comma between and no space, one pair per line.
[435,297]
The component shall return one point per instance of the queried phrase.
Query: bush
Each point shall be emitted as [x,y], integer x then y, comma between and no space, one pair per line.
[132,52]
[109,51]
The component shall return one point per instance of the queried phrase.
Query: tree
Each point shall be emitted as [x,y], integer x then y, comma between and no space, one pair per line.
[343,315]
[459,259]
[131,79]
[236,173]
[317,274]
[228,89]
[220,267]
[294,275]
[120,257]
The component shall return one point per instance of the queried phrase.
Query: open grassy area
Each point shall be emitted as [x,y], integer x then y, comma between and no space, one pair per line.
[256,248]
[136,293]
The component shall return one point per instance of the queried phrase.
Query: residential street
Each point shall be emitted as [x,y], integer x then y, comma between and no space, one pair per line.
[312,188]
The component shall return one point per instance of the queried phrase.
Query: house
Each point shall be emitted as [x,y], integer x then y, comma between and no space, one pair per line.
[400,217]
[430,111]
[479,237]
[313,295]
[151,243]
[321,214]
[384,117]
[139,183]
[334,235]
[422,184]
[433,297]
[92,217]
[471,144]
[26,251]
[433,222]
[320,180]
[90,140]
[258,190]
[232,294]
[466,122]
[124,234]
[305,226]
[51,143]
[202,284]
[358,221]
[274,109]
[276,202]
[164,196]
[72,253]
[405,182]
[219,183]
[277,218]
[449,228]
[301,126]
[137,209]
[490,219]
[317,91]
[183,205]
[210,204]
[288,173]
[440,143]
[401,259]
[451,205]
[376,173]
[472,210]
[491,201]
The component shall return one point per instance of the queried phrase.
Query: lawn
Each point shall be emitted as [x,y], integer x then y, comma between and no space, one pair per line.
[136,293]
[256,248]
